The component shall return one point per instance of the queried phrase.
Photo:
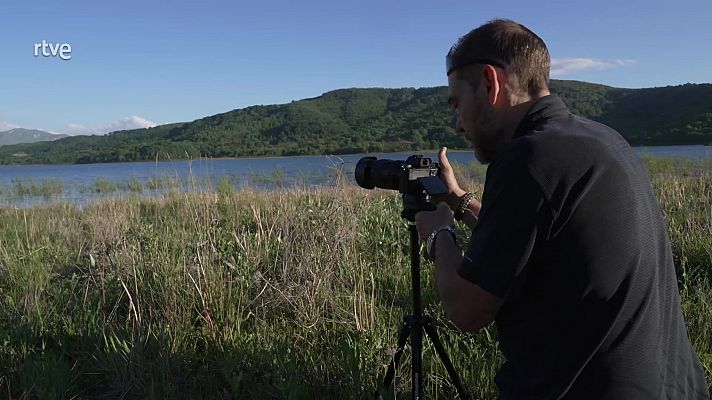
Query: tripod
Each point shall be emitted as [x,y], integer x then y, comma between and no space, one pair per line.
[414,324]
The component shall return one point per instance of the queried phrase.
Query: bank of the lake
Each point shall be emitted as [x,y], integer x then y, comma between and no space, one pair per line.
[30,185]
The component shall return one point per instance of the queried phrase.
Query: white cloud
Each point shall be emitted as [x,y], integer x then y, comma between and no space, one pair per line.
[563,66]
[6,126]
[132,122]
[77,129]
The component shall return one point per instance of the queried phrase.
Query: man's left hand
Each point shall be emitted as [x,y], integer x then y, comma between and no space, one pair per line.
[427,221]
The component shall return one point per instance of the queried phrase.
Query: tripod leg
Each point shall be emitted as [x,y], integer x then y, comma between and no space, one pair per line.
[402,338]
[416,345]
[454,377]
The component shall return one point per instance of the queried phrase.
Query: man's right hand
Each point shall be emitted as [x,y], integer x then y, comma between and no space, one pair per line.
[454,197]
[447,175]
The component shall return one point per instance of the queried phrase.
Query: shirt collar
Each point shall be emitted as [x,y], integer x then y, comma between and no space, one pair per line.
[544,108]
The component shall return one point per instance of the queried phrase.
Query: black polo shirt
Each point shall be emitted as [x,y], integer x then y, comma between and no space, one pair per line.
[571,236]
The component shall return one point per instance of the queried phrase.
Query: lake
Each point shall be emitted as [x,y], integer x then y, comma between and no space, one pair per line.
[24,185]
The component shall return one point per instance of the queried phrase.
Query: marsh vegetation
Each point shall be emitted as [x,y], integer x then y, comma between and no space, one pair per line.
[253,294]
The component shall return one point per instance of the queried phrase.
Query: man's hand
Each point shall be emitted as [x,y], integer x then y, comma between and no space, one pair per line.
[454,196]
[447,175]
[428,221]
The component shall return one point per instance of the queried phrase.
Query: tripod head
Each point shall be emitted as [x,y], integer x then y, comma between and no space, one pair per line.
[413,204]
[421,198]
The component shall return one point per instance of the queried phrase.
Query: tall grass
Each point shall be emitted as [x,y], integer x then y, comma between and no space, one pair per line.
[47,188]
[26,191]
[291,294]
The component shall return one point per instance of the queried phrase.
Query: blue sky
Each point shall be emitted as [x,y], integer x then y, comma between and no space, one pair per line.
[139,63]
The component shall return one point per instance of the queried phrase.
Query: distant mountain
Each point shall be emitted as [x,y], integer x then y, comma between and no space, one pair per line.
[375,120]
[21,135]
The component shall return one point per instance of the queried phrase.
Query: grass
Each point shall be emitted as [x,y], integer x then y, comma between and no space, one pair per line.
[47,188]
[23,191]
[288,294]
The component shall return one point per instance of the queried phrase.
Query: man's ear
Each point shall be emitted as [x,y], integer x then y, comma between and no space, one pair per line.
[492,83]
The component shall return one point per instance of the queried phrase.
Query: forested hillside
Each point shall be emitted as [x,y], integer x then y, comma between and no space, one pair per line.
[374,120]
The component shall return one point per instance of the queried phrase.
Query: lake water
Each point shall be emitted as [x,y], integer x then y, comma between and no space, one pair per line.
[40,184]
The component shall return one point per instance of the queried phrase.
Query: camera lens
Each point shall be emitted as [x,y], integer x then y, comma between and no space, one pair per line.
[363,171]
[385,174]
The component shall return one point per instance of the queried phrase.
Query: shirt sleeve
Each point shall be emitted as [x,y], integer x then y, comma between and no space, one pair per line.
[504,236]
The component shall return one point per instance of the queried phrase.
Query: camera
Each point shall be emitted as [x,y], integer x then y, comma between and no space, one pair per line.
[416,176]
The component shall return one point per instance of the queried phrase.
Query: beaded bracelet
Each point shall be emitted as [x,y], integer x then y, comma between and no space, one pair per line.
[464,201]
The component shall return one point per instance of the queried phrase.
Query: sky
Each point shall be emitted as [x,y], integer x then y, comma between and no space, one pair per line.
[140,63]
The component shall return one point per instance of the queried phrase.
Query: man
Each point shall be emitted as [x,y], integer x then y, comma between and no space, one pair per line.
[569,253]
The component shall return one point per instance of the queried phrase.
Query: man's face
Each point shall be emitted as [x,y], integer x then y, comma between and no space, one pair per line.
[476,118]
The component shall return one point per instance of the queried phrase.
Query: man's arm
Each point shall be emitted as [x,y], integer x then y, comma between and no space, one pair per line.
[467,305]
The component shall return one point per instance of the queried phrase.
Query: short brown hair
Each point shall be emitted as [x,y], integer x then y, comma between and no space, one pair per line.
[506,44]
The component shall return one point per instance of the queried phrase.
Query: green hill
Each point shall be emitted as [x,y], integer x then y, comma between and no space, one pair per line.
[374,120]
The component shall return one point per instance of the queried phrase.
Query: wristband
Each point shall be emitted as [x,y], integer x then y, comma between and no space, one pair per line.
[464,201]
[430,241]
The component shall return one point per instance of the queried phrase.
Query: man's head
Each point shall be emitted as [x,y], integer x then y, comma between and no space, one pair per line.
[494,72]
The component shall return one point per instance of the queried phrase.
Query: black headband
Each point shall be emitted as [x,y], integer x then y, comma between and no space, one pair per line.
[452,62]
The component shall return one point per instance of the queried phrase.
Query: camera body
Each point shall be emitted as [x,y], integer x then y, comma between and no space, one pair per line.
[416,176]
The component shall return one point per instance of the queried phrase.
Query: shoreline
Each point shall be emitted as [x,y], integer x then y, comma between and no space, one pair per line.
[450,150]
